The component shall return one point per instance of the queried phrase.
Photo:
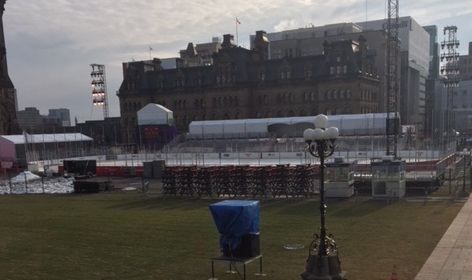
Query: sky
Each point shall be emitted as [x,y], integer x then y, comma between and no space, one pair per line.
[50,44]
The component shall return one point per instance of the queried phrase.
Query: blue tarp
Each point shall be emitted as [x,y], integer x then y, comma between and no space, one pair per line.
[234,219]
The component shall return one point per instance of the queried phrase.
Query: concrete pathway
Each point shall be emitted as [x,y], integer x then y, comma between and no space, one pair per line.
[452,257]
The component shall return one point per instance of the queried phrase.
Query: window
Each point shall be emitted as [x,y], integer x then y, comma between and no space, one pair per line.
[307,73]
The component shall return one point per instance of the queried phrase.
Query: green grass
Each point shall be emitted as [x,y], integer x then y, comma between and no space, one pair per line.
[129,236]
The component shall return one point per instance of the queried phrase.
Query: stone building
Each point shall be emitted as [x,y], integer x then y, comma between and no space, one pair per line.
[8,103]
[242,83]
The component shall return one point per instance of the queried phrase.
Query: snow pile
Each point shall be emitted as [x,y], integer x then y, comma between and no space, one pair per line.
[27,182]
[25,176]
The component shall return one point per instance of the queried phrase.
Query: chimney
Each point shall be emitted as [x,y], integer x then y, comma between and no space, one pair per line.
[228,41]
[261,45]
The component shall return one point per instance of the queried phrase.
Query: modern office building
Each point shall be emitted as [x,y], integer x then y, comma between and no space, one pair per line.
[462,101]
[30,119]
[432,117]
[414,57]
[62,114]
[465,65]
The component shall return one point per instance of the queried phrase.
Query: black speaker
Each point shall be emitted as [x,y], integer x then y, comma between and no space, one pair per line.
[248,247]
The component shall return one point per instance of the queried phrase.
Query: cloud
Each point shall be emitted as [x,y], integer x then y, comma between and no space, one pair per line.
[51,43]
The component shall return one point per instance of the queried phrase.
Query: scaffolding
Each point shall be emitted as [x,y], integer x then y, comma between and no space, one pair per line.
[99,85]
[393,123]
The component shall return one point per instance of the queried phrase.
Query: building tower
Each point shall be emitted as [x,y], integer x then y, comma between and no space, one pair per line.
[8,121]
[99,85]
[450,73]
[392,77]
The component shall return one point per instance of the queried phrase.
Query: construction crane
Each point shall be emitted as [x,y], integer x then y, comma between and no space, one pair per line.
[393,122]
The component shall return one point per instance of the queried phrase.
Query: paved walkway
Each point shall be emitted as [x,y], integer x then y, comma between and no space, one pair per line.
[452,257]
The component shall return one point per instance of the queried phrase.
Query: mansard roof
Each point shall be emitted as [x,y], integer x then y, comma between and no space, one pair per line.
[247,68]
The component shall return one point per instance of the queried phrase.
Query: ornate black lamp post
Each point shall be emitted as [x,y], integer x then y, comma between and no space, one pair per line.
[323,262]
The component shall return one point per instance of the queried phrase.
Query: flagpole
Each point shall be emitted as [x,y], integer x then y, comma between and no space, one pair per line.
[237,37]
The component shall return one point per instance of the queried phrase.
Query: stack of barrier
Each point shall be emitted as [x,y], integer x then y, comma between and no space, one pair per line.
[280,180]
[239,181]
[303,181]
[203,182]
[169,183]
[185,180]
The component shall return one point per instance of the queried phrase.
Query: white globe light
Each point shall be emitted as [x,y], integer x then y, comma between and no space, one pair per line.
[332,133]
[308,135]
[321,121]
[318,134]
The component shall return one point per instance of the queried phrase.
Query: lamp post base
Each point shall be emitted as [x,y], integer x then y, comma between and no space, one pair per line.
[323,268]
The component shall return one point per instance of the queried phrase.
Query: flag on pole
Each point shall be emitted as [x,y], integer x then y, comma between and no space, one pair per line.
[237,21]
[150,48]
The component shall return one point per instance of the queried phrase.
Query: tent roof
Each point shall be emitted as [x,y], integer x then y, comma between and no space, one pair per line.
[153,107]
[47,138]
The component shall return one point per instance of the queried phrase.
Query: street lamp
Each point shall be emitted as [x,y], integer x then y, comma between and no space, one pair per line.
[323,261]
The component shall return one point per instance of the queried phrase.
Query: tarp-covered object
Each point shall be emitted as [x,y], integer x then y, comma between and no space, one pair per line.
[234,219]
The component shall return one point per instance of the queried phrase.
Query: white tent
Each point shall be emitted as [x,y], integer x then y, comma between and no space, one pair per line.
[348,125]
[155,114]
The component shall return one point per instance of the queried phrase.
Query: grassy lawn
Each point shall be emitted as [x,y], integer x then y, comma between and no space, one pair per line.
[130,236]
